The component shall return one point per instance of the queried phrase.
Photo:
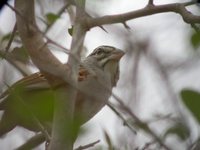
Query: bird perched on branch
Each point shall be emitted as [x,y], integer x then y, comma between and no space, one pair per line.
[29,103]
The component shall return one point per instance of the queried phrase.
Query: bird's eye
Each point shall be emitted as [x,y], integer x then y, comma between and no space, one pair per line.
[100,52]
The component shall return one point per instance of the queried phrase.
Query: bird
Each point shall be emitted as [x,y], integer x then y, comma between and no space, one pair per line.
[32,97]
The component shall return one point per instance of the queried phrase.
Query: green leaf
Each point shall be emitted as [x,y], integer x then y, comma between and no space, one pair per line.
[192,101]
[70,30]
[195,40]
[51,18]
[179,129]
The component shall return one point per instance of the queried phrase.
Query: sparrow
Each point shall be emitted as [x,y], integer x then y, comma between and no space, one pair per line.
[32,97]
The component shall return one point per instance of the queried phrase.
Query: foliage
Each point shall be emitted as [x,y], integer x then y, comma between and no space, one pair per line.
[70,31]
[179,129]
[195,39]
[191,99]
[51,18]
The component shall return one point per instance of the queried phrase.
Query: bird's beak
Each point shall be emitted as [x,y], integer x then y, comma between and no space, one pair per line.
[117,54]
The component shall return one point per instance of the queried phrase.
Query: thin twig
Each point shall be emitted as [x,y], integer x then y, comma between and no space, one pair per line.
[140,124]
[147,145]
[150,2]
[161,118]
[194,26]
[67,51]
[32,142]
[167,84]
[59,14]
[136,14]
[192,2]
[12,61]
[120,116]
[87,146]
[126,25]
[11,38]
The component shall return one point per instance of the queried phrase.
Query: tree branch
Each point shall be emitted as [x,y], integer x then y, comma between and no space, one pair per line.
[33,142]
[32,39]
[18,65]
[125,122]
[88,145]
[62,126]
[140,123]
[150,2]
[120,18]
[11,38]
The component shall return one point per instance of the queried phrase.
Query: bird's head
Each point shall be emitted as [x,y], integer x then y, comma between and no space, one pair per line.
[107,58]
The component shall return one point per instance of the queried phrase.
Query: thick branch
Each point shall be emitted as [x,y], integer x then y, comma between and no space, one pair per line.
[32,39]
[62,127]
[149,10]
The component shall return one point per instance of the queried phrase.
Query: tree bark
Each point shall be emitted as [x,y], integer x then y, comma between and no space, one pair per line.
[32,40]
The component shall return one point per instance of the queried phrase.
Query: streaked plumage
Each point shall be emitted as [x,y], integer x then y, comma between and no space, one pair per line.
[32,95]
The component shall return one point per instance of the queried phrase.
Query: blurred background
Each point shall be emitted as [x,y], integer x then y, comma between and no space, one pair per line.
[162,59]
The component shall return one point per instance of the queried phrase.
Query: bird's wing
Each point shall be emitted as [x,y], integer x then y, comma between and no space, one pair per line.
[34,81]
[38,81]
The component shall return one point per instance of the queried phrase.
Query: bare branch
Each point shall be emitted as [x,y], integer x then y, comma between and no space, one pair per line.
[19,66]
[120,18]
[166,81]
[64,111]
[58,72]
[88,145]
[126,25]
[121,117]
[33,41]
[150,2]
[140,123]
[147,145]
[64,105]
[103,29]
[59,14]
[194,26]
[11,38]
[33,142]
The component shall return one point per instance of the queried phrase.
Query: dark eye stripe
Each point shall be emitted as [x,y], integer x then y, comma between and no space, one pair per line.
[97,51]
[105,49]
[100,52]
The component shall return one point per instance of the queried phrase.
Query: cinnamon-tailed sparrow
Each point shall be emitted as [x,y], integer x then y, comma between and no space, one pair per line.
[32,96]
